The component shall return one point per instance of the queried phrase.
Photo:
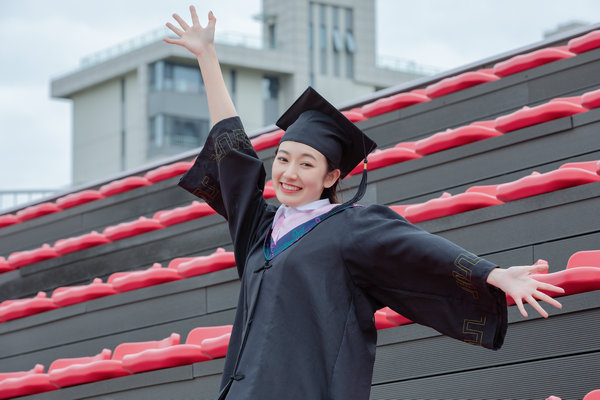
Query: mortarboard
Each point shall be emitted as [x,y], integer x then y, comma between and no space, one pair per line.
[314,121]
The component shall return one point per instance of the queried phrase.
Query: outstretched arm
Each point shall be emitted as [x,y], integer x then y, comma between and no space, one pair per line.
[200,42]
[518,284]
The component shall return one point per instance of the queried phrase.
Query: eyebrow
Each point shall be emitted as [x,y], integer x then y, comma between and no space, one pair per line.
[303,154]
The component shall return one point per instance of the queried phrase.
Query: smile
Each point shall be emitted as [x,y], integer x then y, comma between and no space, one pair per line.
[289,188]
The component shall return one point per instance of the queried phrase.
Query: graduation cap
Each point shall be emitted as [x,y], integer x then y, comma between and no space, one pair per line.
[314,121]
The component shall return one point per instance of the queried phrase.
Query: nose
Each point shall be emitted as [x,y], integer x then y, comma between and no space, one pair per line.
[290,172]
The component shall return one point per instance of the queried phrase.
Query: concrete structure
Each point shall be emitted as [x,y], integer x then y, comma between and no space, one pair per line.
[144,101]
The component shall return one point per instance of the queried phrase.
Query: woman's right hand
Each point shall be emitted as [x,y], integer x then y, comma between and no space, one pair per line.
[195,38]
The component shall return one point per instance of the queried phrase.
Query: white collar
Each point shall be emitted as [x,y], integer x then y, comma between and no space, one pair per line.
[287,211]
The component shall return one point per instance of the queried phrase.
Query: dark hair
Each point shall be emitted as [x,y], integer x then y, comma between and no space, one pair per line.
[331,192]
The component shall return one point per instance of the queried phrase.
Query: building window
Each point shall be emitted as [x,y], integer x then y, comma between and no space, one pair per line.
[270,99]
[323,39]
[171,77]
[338,44]
[272,37]
[170,134]
[350,44]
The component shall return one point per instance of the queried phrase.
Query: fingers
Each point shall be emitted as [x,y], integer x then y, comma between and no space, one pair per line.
[175,30]
[520,306]
[173,41]
[537,306]
[194,15]
[550,287]
[182,23]
[211,18]
[548,299]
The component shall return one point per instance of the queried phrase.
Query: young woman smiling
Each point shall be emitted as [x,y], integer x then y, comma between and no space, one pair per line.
[313,272]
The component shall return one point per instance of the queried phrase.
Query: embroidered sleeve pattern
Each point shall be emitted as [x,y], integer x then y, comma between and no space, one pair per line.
[473,330]
[463,273]
[229,141]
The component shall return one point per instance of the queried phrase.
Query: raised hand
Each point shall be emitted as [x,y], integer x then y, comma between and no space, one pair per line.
[518,284]
[195,38]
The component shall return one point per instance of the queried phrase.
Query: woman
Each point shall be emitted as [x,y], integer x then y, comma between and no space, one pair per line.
[313,273]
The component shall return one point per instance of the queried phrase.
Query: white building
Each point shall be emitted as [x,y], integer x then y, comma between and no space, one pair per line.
[145,99]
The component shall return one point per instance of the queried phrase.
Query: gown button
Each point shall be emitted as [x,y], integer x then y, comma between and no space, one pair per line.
[238,377]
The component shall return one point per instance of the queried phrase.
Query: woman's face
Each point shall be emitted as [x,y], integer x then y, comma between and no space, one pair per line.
[300,174]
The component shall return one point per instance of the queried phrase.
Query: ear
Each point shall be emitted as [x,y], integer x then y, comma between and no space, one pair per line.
[331,178]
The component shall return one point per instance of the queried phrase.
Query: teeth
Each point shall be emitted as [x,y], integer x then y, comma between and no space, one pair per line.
[288,187]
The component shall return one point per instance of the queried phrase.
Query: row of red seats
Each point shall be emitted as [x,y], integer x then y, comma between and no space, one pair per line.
[581,275]
[86,196]
[202,344]
[472,78]
[567,175]
[160,220]
[380,106]
[178,268]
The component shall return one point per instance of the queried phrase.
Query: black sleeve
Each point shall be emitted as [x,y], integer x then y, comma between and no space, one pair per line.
[230,177]
[425,277]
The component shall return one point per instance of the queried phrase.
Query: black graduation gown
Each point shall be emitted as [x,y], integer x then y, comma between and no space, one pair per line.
[304,326]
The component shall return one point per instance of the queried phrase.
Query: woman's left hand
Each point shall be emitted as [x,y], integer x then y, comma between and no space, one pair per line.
[518,284]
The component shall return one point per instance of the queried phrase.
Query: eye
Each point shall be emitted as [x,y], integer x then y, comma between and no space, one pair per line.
[281,159]
[305,164]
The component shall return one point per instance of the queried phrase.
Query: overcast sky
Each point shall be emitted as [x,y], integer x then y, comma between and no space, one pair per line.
[40,40]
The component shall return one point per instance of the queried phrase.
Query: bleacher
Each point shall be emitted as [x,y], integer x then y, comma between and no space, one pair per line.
[501,156]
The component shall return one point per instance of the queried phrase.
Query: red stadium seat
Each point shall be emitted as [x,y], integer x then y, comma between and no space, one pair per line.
[591,99]
[593,395]
[65,246]
[490,190]
[66,296]
[13,309]
[182,214]
[267,140]
[401,209]
[155,275]
[534,59]
[396,318]
[168,171]
[5,265]
[457,137]
[591,166]
[588,258]
[395,102]
[8,219]
[38,210]
[557,108]
[216,347]
[269,191]
[123,185]
[75,199]
[174,355]
[537,183]
[75,371]
[19,259]
[574,280]
[132,228]
[585,43]
[217,261]
[151,355]
[354,115]
[383,158]
[460,82]
[381,321]
[17,384]
[449,205]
